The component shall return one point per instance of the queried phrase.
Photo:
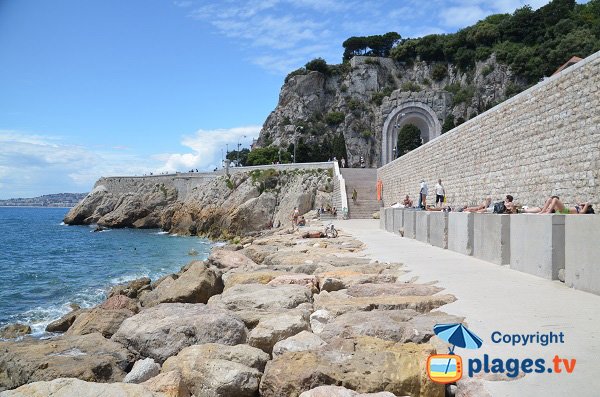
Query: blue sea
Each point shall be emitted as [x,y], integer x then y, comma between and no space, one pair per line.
[46,265]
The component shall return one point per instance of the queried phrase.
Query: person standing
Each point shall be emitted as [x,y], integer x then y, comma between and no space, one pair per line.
[440,194]
[423,194]
[362,162]
[343,162]
[354,195]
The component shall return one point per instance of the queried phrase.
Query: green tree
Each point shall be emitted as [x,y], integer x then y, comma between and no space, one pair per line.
[318,65]
[267,155]
[409,138]
[242,157]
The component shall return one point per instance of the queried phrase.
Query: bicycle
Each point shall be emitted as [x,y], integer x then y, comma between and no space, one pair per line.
[331,231]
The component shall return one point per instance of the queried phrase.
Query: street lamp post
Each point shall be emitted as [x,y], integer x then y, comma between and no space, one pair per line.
[238,152]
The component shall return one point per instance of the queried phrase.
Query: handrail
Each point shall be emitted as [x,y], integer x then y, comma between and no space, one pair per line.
[343,195]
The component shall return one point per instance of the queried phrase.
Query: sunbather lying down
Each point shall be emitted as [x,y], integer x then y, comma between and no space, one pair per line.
[486,203]
[554,205]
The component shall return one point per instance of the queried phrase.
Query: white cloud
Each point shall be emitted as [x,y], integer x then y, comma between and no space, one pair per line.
[459,17]
[206,148]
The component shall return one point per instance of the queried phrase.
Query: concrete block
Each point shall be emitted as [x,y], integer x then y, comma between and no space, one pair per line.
[410,223]
[491,238]
[460,232]
[537,244]
[582,252]
[389,220]
[422,226]
[438,229]
[382,218]
[398,220]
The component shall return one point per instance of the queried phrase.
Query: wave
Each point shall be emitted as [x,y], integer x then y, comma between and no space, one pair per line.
[161,232]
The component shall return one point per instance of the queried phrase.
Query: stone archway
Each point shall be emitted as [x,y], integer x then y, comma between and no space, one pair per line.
[411,112]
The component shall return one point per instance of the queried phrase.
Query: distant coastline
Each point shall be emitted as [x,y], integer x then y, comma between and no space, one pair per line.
[58,200]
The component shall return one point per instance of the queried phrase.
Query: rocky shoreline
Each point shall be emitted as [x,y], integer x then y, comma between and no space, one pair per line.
[275,315]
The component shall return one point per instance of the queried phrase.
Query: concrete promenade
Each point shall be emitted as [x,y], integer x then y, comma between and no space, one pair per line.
[495,298]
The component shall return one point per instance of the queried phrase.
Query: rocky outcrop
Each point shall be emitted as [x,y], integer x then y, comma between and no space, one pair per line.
[14,331]
[213,206]
[353,102]
[87,357]
[162,331]
[106,322]
[219,370]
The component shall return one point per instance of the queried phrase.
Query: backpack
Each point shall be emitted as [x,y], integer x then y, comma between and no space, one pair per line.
[499,207]
[590,210]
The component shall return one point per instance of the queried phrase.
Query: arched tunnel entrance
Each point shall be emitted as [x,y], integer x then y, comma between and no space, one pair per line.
[416,113]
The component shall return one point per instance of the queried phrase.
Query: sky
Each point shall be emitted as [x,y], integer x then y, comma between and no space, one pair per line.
[113,87]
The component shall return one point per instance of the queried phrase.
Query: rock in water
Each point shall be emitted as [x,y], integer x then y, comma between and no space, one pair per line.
[63,323]
[142,371]
[69,387]
[14,330]
[87,357]
[196,285]
[220,371]
[163,330]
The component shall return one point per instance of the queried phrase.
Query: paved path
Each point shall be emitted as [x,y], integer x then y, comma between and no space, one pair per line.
[496,298]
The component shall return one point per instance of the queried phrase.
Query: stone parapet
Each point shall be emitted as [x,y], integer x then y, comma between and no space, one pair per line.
[410,223]
[399,220]
[491,238]
[460,232]
[582,252]
[537,244]
[438,229]
[422,226]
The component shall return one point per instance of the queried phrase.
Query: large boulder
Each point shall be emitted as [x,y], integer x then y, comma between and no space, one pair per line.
[369,365]
[276,327]
[170,383]
[339,391]
[256,277]
[106,322]
[142,371]
[131,289]
[226,259]
[302,341]
[65,322]
[196,285]
[69,387]
[120,302]
[218,370]
[394,325]
[163,330]
[339,302]
[14,331]
[88,357]
[263,297]
[399,289]
[309,281]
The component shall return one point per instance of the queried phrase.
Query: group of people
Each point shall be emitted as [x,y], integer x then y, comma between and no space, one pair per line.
[553,205]
[297,219]
[330,210]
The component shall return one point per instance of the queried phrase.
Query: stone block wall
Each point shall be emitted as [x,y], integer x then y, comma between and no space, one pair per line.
[543,141]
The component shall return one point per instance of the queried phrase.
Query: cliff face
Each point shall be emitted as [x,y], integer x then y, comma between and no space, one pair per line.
[218,206]
[354,100]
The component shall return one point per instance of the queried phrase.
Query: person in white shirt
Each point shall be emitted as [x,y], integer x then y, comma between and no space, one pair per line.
[440,193]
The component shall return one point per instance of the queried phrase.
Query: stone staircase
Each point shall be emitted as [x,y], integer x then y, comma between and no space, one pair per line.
[364,180]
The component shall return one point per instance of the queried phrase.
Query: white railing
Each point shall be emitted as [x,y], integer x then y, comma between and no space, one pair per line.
[343,196]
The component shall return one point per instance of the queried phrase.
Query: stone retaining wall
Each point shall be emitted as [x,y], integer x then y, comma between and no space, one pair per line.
[544,141]
[555,247]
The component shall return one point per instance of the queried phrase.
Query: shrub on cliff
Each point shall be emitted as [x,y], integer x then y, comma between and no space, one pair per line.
[334,118]
[268,155]
[318,65]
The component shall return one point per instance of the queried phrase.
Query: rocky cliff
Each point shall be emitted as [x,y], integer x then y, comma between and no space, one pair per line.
[352,100]
[217,206]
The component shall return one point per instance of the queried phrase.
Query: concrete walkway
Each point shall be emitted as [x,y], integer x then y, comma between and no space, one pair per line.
[496,298]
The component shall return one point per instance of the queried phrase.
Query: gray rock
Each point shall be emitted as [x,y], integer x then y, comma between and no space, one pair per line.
[69,387]
[302,341]
[196,285]
[339,391]
[400,289]
[218,370]
[276,327]
[226,259]
[393,325]
[142,371]
[264,297]
[89,357]
[319,319]
[163,330]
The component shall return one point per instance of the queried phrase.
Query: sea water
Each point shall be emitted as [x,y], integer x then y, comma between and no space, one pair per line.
[46,265]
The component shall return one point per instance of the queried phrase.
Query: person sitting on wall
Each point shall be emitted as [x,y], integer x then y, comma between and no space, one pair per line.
[407,202]
[481,207]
